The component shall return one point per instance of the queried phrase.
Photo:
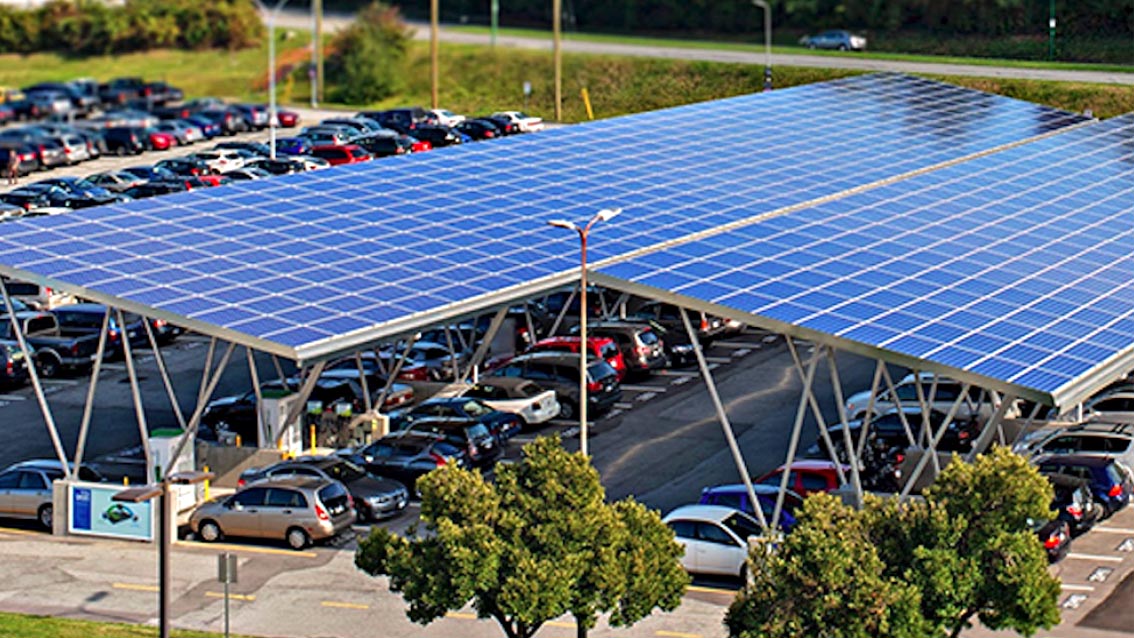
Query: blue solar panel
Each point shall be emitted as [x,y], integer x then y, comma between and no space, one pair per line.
[1023,278]
[305,257]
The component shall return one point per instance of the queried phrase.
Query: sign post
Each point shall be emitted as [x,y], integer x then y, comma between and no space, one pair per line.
[226,573]
[527,93]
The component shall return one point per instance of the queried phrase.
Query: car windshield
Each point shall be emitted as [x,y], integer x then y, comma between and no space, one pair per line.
[742,526]
[648,337]
[600,370]
[345,471]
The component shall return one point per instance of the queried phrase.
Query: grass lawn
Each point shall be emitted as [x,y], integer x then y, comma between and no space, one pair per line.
[21,626]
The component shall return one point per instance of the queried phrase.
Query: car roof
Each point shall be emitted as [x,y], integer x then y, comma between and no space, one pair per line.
[1075,459]
[813,465]
[760,489]
[291,480]
[715,513]
[84,307]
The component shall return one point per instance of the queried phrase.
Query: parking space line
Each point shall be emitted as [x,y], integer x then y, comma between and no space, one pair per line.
[675,634]
[11,397]
[719,359]
[220,594]
[117,367]
[242,548]
[677,373]
[560,623]
[460,614]
[623,405]
[332,603]
[736,354]
[1114,530]
[613,413]
[713,366]
[1109,559]
[732,344]
[1069,587]
[643,388]
[59,381]
[680,380]
[645,396]
[133,587]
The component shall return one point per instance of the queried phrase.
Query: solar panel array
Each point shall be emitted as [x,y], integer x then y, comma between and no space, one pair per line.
[1016,266]
[306,260]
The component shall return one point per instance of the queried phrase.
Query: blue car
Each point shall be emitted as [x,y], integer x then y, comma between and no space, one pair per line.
[1110,480]
[736,497]
[504,425]
[293,146]
[837,40]
[209,128]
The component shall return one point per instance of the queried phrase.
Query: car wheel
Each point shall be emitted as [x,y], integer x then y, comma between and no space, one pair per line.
[842,47]
[566,409]
[48,366]
[46,516]
[209,531]
[297,538]
[810,45]
[120,151]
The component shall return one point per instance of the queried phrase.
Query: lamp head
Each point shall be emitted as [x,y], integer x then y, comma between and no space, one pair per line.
[562,223]
[607,214]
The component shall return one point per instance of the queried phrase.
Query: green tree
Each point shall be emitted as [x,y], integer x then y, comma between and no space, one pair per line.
[538,544]
[825,579]
[367,63]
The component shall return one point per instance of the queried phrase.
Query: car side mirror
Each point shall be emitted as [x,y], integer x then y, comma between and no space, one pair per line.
[232,504]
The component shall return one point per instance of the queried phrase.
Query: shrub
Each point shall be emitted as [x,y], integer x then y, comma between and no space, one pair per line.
[367,63]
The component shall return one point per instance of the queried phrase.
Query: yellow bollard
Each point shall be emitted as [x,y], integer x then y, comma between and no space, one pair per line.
[206,469]
[312,438]
[238,441]
[126,480]
[587,102]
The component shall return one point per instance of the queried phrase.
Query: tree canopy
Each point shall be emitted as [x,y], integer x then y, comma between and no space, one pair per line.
[538,544]
[368,55]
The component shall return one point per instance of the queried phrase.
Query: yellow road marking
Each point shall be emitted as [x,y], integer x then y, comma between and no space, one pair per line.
[711,590]
[460,614]
[133,587]
[246,548]
[675,634]
[220,594]
[331,603]
[21,532]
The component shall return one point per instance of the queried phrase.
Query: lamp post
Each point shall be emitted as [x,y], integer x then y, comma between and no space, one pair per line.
[160,491]
[767,42]
[272,120]
[603,215]
[434,36]
[557,55]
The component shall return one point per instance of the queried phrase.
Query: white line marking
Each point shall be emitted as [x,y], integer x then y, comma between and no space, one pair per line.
[1076,587]
[11,397]
[59,382]
[624,406]
[118,367]
[646,396]
[1109,559]
[736,354]
[1114,530]
[719,359]
[612,414]
[733,344]
[643,388]
[713,366]
[677,373]
[681,380]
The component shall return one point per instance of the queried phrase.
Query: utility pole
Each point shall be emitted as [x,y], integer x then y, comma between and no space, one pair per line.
[1051,32]
[317,8]
[433,37]
[556,13]
[494,10]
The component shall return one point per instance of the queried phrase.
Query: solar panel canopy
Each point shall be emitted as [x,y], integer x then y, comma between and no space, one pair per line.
[318,264]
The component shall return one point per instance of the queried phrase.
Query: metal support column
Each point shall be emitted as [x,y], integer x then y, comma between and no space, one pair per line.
[304,394]
[88,406]
[394,373]
[563,312]
[991,426]
[262,433]
[205,371]
[855,460]
[136,393]
[931,449]
[793,443]
[367,403]
[195,419]
[279,369]
[722,416]
[482,349]
[160,359]
[869,415]
[817,412]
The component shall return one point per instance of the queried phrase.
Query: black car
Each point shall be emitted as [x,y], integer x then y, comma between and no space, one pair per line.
[384,145]
[408,455]
[1055,536]
[126,140]
[33,196]
[479,129]
[436,135]
[158,187]
[151,174]
[374,497]
[401,119]
[259,148]
[279,166]
[185,166]
[230,119]
[86,319]
[1074,502]
[504,425]
[482,446]
[79,188]
[503,124]
[560,372]
[236,415]
[887,431]
[13,365]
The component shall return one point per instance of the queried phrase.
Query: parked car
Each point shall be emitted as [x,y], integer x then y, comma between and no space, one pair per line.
[437,136]
[524,398]
[13,364]
[1075,503]
[806,477]
[1095,438]
[406,456]
[402,119]
[186,166]
[503,425]
[293,146]
[298,510]
[668,316]
[227,417]
[80,188]
[835,39]
[479,129]
[735,496]
[116,181]
[126,140]
[183,131]
[37,200]
[483,447]
[286,118]
[642,350]
[1111,480]
[1113,405]
[384,145]
[889,430]
[155,188]
[374,497]
[445,117]
[160,140]
[337,155]
[230,119]
[942,390]
[601,347]
[281,166]
[560,372]
[526,123]
[26,492]
[255,115]
[221,161]
[26,295]
[86,319]
[715,538]
[54,352]
[259,148]
[1055,536]
[247,174]
[209,128]
[29,160]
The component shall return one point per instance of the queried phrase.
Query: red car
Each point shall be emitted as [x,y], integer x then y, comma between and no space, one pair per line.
[417,145]
[602,347]
[341,154]
[807,477]
[287,119]
[161,141]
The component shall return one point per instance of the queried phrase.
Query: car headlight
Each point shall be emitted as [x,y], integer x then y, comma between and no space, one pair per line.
[683,348]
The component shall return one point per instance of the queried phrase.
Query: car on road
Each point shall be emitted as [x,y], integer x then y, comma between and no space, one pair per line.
[560,372]
[1111,481]
[835,40]
[715,538]
[408,455]
[296,509]
[375,497]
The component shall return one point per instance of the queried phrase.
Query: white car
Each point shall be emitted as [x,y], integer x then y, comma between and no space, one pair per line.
[446,117]
[944,392]
[715,538]
[312,163]
[526,123]
[521,397]
[222,161]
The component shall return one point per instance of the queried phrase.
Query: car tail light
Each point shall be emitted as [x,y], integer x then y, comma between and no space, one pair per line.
[349,501]
[75,350]
[10,367]
[1115,491]
[1074,510]
[472,451]
[488,134]
[963,435]
[160,323]
[437,458]
[594,386]
[321,513]
[240,482]
[704,324]
[1052,541]
[898,458]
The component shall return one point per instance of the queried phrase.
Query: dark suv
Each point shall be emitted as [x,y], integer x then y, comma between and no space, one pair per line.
[126,140]
[374,497]
[482,447]
[1110,481]
[408,455]
[560,372]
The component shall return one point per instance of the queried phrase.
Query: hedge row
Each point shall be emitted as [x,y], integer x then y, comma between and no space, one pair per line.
[94,28]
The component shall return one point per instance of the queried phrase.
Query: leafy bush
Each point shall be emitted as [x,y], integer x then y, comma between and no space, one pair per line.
[367,63]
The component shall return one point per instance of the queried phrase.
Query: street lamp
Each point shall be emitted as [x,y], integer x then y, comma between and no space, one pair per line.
[767,42]
[603,215]
[272,119]
[160,491]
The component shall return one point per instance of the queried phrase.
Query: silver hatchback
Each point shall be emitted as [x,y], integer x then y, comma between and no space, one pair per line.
[299,510]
